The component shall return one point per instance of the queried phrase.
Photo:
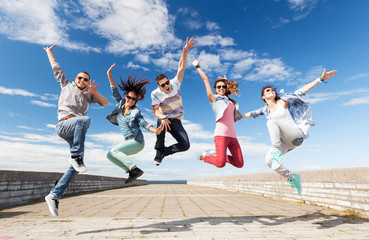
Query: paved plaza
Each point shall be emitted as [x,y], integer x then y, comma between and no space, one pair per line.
[177,212]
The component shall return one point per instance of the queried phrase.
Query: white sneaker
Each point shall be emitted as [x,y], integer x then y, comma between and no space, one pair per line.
[206,153]
[77,163]
[53,205]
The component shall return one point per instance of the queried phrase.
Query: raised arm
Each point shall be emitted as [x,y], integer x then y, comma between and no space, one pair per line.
[110,77]
[50,55]
[209,90]
[325,76]
[183,60]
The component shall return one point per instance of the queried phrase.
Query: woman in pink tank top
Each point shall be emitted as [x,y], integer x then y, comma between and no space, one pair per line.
[226,113]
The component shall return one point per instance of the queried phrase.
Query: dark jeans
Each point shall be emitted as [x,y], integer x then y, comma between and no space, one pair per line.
[179,134]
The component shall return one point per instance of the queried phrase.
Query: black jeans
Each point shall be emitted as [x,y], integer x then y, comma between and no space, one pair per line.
[179,134]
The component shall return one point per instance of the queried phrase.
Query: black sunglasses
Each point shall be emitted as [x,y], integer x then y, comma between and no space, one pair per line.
[222,86]
[84,79]
[132,98]
[164,84]
[270,89]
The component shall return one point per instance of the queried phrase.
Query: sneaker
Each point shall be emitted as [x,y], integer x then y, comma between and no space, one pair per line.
[295,182]
[159,157]
[211,152]
[277,158]
[77,163]
[133,175]
[53,205]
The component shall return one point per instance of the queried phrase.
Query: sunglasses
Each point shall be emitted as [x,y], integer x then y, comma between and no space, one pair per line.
[132,98]
[164,84]
[269,90]
[222,86]
[84,79]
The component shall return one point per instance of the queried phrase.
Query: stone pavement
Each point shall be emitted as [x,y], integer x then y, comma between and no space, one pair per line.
[177,212]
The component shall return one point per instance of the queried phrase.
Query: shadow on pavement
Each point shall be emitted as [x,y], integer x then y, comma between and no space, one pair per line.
[11,214]
[322,221]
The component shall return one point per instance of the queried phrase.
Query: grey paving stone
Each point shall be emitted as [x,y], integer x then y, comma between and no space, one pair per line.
[177,212]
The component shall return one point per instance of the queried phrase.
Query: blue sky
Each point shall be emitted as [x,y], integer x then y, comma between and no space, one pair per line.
[286,43]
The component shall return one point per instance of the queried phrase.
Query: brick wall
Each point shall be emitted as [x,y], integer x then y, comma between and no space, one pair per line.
[340,189]
[18,187]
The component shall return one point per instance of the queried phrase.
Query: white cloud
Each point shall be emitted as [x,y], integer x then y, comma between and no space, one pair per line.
[269,70]
[214,40]
[135,66]
[50,126]
[24,93]
[212,26]
[30,128]
[302,8]
[131,25]
[36,21]
[42,104]
[357,101]
[15,91]
[244,65]
[192,19]
[357,76]
[235,55]
[169,61]
[320,97]
[143,58]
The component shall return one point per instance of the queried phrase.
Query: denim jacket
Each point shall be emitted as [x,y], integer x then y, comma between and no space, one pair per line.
[299,109]
[133,116]
[221,104]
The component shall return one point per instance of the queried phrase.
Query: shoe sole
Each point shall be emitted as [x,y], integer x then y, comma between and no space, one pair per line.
[50,208]
[76,167]
[133,179]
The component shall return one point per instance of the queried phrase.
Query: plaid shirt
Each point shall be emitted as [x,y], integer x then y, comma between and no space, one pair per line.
[299,109]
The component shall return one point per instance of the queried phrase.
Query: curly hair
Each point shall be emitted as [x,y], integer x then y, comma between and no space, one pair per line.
[134,84]
[232,86]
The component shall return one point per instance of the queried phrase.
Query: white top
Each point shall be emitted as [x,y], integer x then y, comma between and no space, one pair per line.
[283,114]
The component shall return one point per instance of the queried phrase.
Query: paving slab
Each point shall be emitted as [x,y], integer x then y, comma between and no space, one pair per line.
[177,212]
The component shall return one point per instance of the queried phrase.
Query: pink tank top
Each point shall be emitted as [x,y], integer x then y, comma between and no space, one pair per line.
[225,125]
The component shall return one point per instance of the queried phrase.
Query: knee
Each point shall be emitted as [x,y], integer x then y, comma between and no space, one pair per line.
[109,155]
[185,146]
[240,165]
[84,120]
[268,158]
[220,165]
[271,122]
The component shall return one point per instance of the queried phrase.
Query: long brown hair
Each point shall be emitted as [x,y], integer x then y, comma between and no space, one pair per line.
[232,86]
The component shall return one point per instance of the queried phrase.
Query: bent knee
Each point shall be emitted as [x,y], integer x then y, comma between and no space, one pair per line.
[84,120]
[185,147]
[220,165]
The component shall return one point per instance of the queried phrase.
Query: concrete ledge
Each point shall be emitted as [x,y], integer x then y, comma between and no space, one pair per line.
[340,189]
[17,187]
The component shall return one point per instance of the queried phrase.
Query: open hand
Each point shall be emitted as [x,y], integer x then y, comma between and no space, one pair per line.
[189,44]
[92,88]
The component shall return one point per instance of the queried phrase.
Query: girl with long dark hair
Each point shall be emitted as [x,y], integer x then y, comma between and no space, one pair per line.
[129,118]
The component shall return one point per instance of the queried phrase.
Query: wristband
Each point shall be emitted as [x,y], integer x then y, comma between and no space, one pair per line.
[197,66]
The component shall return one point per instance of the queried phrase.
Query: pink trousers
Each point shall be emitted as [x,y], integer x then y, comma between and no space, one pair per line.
[221,145]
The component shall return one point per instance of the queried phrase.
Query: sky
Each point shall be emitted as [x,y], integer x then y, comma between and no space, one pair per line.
[286,43]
